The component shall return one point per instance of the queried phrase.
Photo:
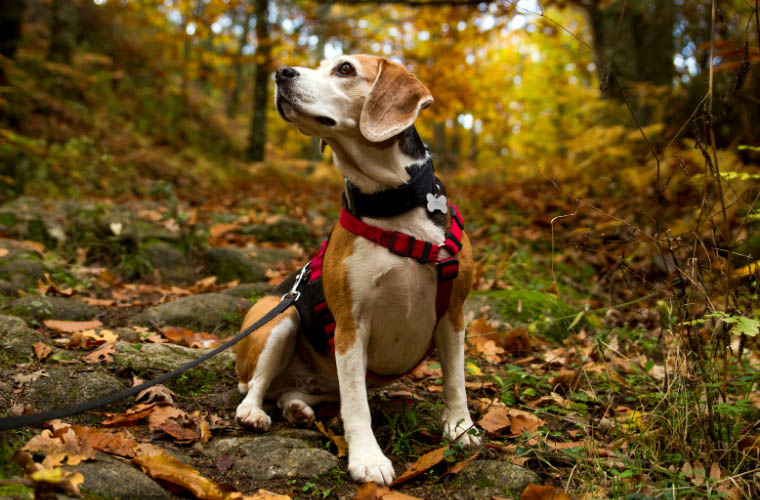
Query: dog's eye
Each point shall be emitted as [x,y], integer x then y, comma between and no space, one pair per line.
[346,69]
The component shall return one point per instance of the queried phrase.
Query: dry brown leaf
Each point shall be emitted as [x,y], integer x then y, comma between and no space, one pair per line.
[339,441]
[371,491]
[161,414]
[178,432]
[48,287]
[34,246]
[3,252]
[188,338]
[425,462]
[259,495]
[538,492]
[460,466]
[158,393]
[58,446]
[23,378]
[115,443]
[102,355]
[98,302]
[71,326]
[522,423]
[487,348]
[65,480]
[41,350]
[715,472]
[158,464]
[495,420]
[149,335]
[130,417]
[516,342]
[90,338]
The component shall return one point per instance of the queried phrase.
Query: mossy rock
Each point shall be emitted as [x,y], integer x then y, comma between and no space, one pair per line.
[22,273]
[107,478]
[38,308]
[147,359]
[64,386]
[531,308]
[209,312]
[170,262]
[485,479]
[264,458]
[284,230]
[250,291]
[16,339]
[230,264]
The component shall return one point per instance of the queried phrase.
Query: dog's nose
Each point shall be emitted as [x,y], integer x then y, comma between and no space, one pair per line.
[285,73]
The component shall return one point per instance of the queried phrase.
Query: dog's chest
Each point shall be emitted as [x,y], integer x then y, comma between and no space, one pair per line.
[394,296]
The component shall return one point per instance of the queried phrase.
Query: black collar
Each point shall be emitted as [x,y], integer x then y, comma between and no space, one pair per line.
[395,201]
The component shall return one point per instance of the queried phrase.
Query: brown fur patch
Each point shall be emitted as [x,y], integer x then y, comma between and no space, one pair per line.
[337,289]
[249,349]
[462,285]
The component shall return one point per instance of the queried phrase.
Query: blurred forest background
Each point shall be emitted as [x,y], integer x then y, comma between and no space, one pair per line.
[604,154]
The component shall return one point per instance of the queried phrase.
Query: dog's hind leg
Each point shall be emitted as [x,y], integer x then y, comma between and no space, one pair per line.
[262,356]
[457,423]
[296,406]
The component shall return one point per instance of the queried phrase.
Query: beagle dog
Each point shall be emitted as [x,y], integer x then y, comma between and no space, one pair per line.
[390,282]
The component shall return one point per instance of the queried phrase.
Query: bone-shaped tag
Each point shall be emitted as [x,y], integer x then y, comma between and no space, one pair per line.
[436,203]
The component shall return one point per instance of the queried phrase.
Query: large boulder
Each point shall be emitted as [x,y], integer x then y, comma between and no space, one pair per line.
[284,230]
[38,308]
[167,357]
[268,457]
[170,262]
[210,312]
[22,272]
[486,479]
[16,339]
[230,264]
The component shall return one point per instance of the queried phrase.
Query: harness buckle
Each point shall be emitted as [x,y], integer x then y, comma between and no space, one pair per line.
[448,269]
[400,235]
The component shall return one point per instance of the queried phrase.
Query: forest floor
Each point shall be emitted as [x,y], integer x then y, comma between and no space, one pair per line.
[98,294]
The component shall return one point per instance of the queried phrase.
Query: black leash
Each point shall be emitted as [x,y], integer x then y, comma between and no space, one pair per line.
[37,418]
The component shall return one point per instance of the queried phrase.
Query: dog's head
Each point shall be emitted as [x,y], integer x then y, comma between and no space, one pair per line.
[351,96]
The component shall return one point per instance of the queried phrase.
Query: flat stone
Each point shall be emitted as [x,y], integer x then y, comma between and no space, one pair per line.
[22,272]
[16,339]
[37,307]
[209,312]
[168,260]
[167,357]
[249,290]
[230,264]
[268,457]
[110,478]
[284,230]
[64,387]
[270,255]
[485,479]
[8,289]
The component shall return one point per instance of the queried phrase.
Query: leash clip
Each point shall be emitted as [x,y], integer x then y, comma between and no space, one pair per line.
[293,292]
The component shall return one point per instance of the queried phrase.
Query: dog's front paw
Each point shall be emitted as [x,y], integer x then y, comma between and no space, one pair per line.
[371,467]
[462,431]
[253,417]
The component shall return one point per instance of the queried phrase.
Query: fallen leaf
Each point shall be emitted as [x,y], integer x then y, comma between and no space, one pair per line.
[425,462]
[98,302]
[188,338]
[495,420]
[522,423]
[178,432]
[159,465]
[23,379]
[71,326]
[158,393]
[48,287]
[59,446]
[34,246]
[65,480]
[226,460]
[101,355]
[41,350]
[259,495]
[149,335]
[105,441]
[163,413]
[339,441]
[460,466]
[516,342]
[130,417]
[3,252]
[371,491]
[90,338]
[538,492]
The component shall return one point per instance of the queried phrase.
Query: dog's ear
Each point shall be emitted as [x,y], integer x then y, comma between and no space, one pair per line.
[393,103]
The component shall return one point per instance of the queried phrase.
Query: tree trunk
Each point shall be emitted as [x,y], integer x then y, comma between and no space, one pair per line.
[63,30]
[641,46]
[232,105]
[258,138]
[11,13]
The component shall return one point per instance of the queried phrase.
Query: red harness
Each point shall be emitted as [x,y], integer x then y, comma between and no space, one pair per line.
[404,245]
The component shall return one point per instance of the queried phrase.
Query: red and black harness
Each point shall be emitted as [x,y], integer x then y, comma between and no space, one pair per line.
[317,322]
